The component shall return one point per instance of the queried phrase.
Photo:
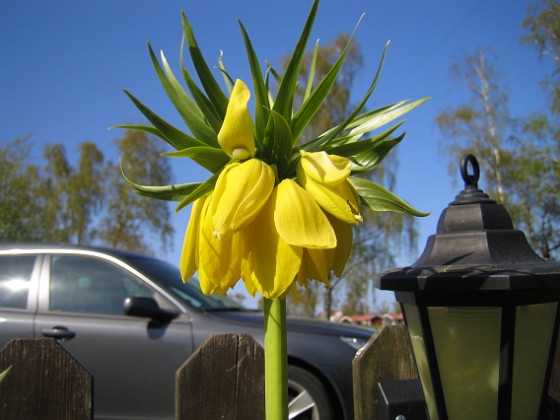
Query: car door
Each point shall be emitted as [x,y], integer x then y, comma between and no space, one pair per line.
[18,295]
[132,359]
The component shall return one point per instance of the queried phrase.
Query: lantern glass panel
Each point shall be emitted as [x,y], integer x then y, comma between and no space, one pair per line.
[470,335]
[534,325]
[419,349]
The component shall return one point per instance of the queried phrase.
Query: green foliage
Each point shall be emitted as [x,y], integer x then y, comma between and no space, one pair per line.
[543,26]
[76,193]
[130,218]
[519,156]
[24,195]
[482,125]
[85,203]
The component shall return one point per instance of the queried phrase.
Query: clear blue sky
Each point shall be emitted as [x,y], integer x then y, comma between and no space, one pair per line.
[63,65]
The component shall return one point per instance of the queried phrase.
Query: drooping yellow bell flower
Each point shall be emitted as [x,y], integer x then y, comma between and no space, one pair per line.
[189,254]
[289,226]
[247,228]
[316,264]
[299,220]
[325,177]
[270,264]
[219,259]
[241,191]
[236,134]
[344,237]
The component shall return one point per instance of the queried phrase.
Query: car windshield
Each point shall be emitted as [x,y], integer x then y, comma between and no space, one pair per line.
[169,277]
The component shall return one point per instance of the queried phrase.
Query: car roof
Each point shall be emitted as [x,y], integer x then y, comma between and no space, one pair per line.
[44,246]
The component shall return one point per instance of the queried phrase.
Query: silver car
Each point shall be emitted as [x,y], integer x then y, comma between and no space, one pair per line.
[131,322]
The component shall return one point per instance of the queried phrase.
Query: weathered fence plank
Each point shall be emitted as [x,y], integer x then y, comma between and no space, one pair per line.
[45,382]
[223,379]
[386,357]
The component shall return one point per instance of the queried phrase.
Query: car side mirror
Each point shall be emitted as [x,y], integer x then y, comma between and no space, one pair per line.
[147,307]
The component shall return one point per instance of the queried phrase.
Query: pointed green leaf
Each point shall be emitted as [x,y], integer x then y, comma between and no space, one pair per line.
[369,159]
[212,88]
[284,98]
[346,147]
[204,104]
[313,103]
[333,134]
[385,117]
[366,116]
[281,144]
[379,198]
[175,137]
[166,192]
[314,144]
[227,79]
[261,92]
[187,108]
[146,128]
[277,76]
[311,77]
[201,190]
[209,157]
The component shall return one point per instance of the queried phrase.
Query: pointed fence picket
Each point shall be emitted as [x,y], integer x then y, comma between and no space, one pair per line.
[44,382]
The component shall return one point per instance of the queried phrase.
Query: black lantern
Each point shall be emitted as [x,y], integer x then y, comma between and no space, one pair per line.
[482,312]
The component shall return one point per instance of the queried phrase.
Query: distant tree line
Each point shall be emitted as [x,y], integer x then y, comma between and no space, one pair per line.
[520,155]
[86,202]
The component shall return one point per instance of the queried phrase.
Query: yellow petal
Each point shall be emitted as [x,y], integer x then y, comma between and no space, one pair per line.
[325,168]
[316,264]
[236,134]
[219,260]
[188,262]
[341,200]
[240,192]
[299,220]
[343,245]
[271,265]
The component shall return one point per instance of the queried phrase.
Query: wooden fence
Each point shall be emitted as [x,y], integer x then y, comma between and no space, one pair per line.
[45,382]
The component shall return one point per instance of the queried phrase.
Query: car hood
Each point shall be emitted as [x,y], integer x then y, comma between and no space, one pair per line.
[255,319]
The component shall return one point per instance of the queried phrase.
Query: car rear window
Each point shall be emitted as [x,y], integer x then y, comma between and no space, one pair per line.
[15,278]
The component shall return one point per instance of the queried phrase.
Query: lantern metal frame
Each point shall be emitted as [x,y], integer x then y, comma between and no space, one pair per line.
[477,259]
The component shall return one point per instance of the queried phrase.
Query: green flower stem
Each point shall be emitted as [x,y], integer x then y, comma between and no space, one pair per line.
[275,360]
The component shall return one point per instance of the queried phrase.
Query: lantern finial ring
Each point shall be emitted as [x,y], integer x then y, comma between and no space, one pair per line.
[470,180]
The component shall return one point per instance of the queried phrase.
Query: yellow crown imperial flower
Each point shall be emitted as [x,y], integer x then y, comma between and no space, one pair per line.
[325,177]
[277,208]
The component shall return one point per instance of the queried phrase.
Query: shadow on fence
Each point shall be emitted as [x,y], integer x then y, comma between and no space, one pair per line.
[45,382]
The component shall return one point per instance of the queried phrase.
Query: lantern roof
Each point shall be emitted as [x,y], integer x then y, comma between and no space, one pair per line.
[475,248]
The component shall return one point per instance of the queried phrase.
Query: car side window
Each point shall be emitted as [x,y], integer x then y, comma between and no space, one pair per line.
[90,285]
[15,279]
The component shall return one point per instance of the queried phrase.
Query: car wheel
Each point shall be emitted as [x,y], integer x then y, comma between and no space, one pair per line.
[307,397]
